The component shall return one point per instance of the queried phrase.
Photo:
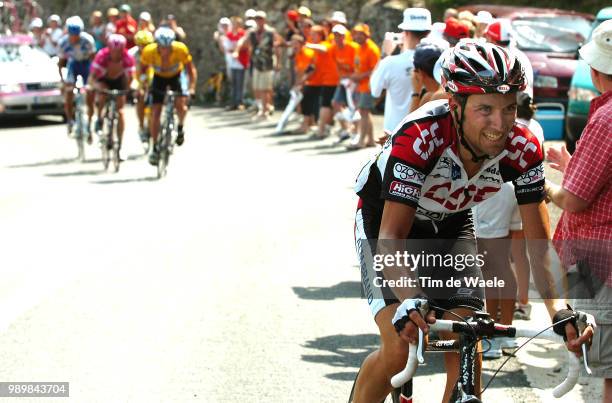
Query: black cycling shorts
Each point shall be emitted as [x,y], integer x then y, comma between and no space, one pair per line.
[453,236]
[160,84]
[119,83]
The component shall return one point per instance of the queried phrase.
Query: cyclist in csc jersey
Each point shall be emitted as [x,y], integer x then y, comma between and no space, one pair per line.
[443,159]
[168,58]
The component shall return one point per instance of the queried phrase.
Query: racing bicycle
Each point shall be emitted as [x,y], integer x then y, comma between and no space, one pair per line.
[165,139]
[471,330]
[110,143]
[80,128]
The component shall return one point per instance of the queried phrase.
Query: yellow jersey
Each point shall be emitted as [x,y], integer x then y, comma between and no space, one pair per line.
[179,57]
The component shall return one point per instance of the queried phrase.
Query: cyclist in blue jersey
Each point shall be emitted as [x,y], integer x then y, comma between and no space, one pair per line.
[76,50]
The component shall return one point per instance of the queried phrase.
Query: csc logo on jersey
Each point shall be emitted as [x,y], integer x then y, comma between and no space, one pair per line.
[406,173]
[432,143]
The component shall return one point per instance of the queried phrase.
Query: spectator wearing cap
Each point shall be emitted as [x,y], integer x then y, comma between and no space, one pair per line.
[97,29]
[236,60]
[339,18]
[305,26]
[584,233]
[249,14]
[291,19]
[325,78]
[264,46]
[304,12]
[499,32]
[36,32]
[112,16]
[366,58]
[304,68]
[426,87]
[343,52]
[394,73]
[145,22]
[482,19]
[455,30]
[52,34]
[126,25]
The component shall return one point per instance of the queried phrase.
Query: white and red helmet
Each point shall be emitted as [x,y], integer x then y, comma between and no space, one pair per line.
[499,31]
[475,67]
[116,41]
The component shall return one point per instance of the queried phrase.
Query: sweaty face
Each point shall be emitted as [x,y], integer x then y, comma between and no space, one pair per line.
[488,121]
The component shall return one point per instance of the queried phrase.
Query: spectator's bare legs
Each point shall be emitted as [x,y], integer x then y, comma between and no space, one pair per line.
[366,128]
[269,101]
[337,108]
[521,265]
[325,118]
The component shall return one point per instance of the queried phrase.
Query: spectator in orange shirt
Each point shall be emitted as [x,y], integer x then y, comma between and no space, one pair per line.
[325,77]
[343,51]
[366,59]
[304,68]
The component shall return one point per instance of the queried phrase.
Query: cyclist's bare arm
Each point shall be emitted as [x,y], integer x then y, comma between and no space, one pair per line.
[61,63]
[143,75]
[192,73]
[396,224]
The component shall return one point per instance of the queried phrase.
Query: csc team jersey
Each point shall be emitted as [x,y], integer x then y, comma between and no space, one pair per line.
[419,166]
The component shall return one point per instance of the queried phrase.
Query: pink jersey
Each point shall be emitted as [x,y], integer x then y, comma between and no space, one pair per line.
[100,63]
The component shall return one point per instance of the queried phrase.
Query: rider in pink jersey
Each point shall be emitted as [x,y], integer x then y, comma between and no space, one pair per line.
[112,69]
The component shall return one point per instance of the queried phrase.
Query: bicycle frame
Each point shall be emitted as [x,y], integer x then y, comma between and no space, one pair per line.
[109,139]
[79,117]
[165,134]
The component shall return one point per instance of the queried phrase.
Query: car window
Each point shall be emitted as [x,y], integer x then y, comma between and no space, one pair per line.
[551,34]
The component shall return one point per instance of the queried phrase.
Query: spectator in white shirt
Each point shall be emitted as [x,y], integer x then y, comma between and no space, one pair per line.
[52,34]
[393,73]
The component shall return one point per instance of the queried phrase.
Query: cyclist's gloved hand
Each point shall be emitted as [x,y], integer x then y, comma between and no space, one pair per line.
[571,322]
[408,318]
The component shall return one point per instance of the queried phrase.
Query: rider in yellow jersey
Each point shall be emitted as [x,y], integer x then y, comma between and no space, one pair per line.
[168,58]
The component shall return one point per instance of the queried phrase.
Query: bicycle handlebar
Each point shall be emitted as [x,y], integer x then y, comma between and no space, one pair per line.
[415,354]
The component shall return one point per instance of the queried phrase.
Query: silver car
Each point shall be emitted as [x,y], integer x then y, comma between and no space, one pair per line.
[30,83]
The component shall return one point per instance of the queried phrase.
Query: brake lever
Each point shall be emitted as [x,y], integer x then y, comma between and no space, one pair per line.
[584,320]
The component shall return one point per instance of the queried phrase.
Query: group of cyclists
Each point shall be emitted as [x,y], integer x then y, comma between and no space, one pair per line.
[157,62]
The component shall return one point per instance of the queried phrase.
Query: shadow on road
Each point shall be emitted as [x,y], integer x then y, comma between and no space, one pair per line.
[345,289]
[21,122]
[348,351]
[56,161]
[129,180]
[74,173]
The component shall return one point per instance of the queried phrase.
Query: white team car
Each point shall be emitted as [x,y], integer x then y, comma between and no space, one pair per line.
[30,83]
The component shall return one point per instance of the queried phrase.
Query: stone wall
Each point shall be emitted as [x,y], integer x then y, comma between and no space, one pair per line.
[199,18]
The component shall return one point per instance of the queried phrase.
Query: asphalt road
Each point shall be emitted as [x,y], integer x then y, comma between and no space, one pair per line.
[231,279]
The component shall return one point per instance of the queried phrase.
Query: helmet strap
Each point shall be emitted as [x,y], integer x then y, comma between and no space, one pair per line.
[475,158]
